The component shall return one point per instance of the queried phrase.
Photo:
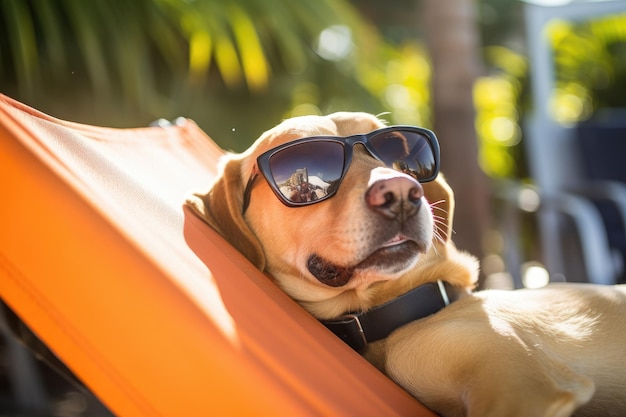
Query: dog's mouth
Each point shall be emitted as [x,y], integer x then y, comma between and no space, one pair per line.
[393,256]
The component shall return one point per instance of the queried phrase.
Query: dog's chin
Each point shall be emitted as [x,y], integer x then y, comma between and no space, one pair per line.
[387,260]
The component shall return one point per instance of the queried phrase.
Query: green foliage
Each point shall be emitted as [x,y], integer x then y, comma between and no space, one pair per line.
[236,67]
[590,66]
[498,102]
[590,60]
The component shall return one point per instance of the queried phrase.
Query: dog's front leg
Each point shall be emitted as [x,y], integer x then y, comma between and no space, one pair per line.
[462,366]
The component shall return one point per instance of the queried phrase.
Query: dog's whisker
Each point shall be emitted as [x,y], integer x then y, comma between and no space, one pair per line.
[435,205]
[440,235]
[442,221]
[385,113]
[440,232]
[436,251]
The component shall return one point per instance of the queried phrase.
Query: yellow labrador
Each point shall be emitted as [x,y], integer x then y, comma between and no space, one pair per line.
[354,224]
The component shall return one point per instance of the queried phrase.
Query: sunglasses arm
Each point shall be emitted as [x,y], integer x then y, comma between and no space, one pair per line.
[248,190]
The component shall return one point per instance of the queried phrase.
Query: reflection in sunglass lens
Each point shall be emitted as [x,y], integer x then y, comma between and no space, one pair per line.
[307,171]
[409,152]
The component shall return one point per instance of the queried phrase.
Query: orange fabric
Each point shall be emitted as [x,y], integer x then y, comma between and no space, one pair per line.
[153,310]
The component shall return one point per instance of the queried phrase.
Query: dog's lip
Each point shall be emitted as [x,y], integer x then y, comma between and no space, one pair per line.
[395,250]
[391,252]
[328,273]
[396,240]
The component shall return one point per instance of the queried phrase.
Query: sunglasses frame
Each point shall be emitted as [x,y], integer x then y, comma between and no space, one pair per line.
[263,161]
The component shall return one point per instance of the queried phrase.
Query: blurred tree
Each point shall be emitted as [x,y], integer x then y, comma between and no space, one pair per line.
[454,46]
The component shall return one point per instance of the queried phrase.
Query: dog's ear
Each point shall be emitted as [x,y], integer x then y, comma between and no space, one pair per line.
[441,198]
[221,208]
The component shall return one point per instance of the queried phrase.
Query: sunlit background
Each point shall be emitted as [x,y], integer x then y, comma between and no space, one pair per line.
[518,124]
[238,67]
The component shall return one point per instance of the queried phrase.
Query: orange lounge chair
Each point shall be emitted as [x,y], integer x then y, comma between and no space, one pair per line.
[145,303]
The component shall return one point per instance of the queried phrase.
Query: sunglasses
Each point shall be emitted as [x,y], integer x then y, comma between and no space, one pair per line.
[309,170]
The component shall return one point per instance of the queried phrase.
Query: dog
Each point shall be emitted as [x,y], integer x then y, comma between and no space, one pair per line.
[355,226]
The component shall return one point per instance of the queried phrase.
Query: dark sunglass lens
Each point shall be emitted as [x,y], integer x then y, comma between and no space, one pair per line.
[406,151]
[307,171]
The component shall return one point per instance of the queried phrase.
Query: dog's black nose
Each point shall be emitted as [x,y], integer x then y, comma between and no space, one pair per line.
[393,194]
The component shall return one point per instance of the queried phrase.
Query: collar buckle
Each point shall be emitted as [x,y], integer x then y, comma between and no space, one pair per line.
[349,329]
[359,328]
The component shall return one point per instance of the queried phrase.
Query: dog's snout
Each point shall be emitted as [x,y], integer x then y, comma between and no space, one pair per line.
[393,194]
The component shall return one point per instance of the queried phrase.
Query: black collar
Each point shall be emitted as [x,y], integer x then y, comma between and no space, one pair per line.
[359,329]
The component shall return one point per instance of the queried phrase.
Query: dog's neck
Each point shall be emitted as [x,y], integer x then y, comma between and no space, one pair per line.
[359,329]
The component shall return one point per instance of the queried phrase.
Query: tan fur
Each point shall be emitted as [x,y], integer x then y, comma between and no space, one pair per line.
[550,352]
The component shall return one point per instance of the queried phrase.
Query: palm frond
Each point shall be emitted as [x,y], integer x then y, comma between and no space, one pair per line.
[23,44]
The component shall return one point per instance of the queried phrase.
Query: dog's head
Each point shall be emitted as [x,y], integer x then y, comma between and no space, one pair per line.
[342,253]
